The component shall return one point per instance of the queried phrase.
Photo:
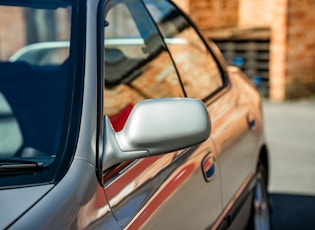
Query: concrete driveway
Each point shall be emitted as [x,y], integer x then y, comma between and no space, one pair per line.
[290,132]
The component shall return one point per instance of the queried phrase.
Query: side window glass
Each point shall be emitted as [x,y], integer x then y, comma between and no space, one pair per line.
[34,47]
[197,68]
[137,64]
[10,134]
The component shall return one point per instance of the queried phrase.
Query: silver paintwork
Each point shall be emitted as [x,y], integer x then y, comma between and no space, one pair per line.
[86,149]
[165,125]
[16,201]
[157,126]
[112,152]
[71,204]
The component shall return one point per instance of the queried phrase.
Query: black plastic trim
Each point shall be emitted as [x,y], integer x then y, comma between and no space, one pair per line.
[229,214]
[214,51]
[100,85]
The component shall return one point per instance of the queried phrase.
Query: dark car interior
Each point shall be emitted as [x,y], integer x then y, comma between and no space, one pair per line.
[36,95]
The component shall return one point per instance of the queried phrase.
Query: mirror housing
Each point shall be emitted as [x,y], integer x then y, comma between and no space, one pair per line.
[154,127]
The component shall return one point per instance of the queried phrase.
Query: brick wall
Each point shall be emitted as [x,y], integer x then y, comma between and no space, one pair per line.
[278,50]
[184,5]
[13,40]
[255,13]
[292,23]
[300,75]
[210,14]
[292,50]
[292,38]
[13,29]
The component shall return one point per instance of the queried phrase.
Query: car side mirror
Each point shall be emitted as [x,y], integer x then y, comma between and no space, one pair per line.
[156,126]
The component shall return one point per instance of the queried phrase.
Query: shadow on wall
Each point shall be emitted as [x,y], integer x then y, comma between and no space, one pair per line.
[293,212]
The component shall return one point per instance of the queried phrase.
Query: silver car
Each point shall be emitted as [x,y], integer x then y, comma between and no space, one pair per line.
[141,126]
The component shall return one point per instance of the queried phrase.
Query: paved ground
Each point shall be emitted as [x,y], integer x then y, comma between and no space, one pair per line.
[293,212]
[290,132]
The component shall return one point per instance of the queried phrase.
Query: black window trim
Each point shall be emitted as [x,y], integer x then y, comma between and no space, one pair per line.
[101,24]
[214,52]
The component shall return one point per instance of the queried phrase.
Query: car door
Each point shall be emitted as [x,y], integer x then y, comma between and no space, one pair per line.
[179,190]
[205,76]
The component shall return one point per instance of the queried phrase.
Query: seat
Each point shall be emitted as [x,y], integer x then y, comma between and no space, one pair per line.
[36,95]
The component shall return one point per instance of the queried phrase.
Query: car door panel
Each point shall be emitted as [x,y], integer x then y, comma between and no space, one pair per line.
[169,187]
[234,141]
[205,76]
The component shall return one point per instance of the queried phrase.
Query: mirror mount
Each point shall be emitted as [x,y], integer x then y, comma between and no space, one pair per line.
[112,153]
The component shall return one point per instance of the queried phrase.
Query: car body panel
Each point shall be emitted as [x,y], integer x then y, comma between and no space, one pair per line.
[16,201]
[147,191]
[194,188]
[235,142]
[77,202]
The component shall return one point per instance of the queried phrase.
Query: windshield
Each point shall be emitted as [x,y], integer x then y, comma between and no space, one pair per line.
[34,57]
